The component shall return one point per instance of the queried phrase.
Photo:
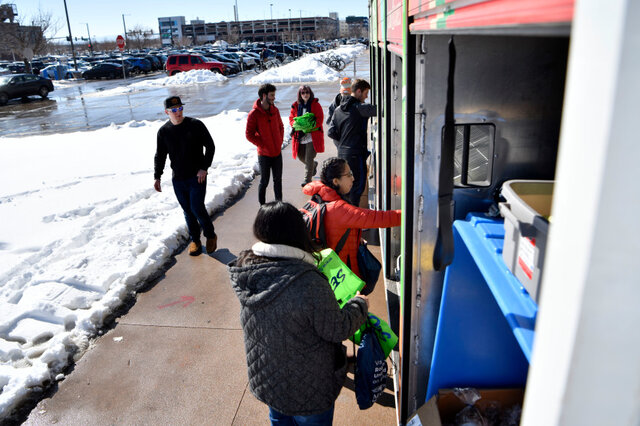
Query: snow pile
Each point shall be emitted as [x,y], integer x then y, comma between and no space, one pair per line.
[183,79]
[96,231]
[309,68]
[178,80]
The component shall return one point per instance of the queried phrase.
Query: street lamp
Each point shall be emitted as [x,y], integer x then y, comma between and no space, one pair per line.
[126,40]
[290,25]
[73,51]
[89,34]
[271,5]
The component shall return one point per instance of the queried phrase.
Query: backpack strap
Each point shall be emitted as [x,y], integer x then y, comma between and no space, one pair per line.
[342,241]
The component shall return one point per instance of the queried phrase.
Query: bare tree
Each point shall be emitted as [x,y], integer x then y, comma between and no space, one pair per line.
[326,30]
[140,37]
[234,35]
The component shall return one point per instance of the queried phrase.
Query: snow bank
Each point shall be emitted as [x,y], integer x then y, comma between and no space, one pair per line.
[309,68]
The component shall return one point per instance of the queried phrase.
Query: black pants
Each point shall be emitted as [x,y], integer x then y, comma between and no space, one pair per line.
[268,164]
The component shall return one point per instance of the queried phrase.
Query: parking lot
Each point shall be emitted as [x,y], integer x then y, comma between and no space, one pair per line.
[79,105]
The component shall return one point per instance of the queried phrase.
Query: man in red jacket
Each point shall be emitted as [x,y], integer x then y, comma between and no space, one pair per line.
[266,131]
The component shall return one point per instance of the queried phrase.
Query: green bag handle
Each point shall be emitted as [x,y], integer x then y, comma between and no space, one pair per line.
[345,284]
[383,332]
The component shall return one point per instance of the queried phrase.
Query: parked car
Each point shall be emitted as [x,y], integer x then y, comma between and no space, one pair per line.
[233,66]
[138,65]
[23,85]
[187,62]
[106,70]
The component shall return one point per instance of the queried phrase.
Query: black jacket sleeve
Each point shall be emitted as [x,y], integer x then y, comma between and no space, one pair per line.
[161,156]
[209,147]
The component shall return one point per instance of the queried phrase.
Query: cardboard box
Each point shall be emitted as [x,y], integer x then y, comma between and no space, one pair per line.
[443,407]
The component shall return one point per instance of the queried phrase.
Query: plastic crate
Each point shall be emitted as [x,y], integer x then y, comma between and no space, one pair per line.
[526,226]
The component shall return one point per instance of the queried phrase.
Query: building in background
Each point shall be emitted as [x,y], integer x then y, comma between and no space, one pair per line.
[16,39]
[357,26]
[171,30]
[261,30]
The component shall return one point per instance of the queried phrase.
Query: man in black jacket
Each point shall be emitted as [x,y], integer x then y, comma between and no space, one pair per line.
[349,131]
[184,138]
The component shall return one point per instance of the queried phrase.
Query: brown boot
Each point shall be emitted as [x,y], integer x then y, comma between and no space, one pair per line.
[195,248]
[212,244]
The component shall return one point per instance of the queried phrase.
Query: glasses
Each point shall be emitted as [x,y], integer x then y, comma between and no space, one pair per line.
[175,109]
[347,174]
[304,92]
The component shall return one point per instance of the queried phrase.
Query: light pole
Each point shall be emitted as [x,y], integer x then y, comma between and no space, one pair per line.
[301,37]
[290,25]
[73,51]
[124,25]
[271,5]
[89,34]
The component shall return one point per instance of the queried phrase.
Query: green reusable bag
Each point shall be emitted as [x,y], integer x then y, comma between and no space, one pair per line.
[305,123]
[344,283]
[383,332]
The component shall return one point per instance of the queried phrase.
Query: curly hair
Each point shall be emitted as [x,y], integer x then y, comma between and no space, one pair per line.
[266,89]
[332,168]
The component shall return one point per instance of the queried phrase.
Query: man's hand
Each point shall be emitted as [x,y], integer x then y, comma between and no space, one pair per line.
[156,185]
[202,175]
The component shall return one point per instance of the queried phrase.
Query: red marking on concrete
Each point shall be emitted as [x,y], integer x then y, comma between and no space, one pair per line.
[187,300]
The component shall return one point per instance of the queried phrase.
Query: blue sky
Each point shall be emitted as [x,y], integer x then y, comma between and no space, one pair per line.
[105,17]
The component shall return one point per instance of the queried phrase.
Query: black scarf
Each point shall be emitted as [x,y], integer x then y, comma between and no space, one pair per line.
[306,106]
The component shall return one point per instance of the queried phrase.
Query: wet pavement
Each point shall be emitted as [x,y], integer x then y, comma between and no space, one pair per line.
[86,105]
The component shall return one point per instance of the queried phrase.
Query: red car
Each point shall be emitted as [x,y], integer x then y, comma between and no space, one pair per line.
[188,62]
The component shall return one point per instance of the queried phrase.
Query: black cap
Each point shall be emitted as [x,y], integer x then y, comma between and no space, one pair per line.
[172,102]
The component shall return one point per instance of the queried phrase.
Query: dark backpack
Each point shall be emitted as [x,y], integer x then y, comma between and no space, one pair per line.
[313,214]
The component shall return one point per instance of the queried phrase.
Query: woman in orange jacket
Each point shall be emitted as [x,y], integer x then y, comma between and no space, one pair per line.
[307,145]
[335,182]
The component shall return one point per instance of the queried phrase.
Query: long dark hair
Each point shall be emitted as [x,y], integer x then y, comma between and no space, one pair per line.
[307,88]
[281,223]
[332,168]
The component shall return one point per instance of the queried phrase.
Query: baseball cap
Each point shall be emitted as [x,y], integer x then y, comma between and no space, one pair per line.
[172,102]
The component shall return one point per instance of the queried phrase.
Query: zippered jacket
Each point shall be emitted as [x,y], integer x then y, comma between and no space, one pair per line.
[340,216]
[265,130]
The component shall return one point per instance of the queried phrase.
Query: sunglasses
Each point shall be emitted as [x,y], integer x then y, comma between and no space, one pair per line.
[175,109]
[304,92]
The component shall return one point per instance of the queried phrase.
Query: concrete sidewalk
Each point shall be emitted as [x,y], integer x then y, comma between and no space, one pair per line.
[177,356]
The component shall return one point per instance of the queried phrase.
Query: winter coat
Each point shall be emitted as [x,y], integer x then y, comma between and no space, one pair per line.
[317,137]
[349,126]
[265,130]
[340,216]
[293,329]
[335,104]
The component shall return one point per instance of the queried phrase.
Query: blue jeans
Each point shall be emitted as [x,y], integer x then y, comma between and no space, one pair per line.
[267,164]
[321,419]
[190,195]
[358,166]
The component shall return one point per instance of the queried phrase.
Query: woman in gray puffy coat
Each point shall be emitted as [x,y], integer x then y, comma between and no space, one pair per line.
[293,325]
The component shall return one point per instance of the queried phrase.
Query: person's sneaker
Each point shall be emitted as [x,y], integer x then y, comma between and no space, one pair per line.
[195,248]
[212,244]
[315,167]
